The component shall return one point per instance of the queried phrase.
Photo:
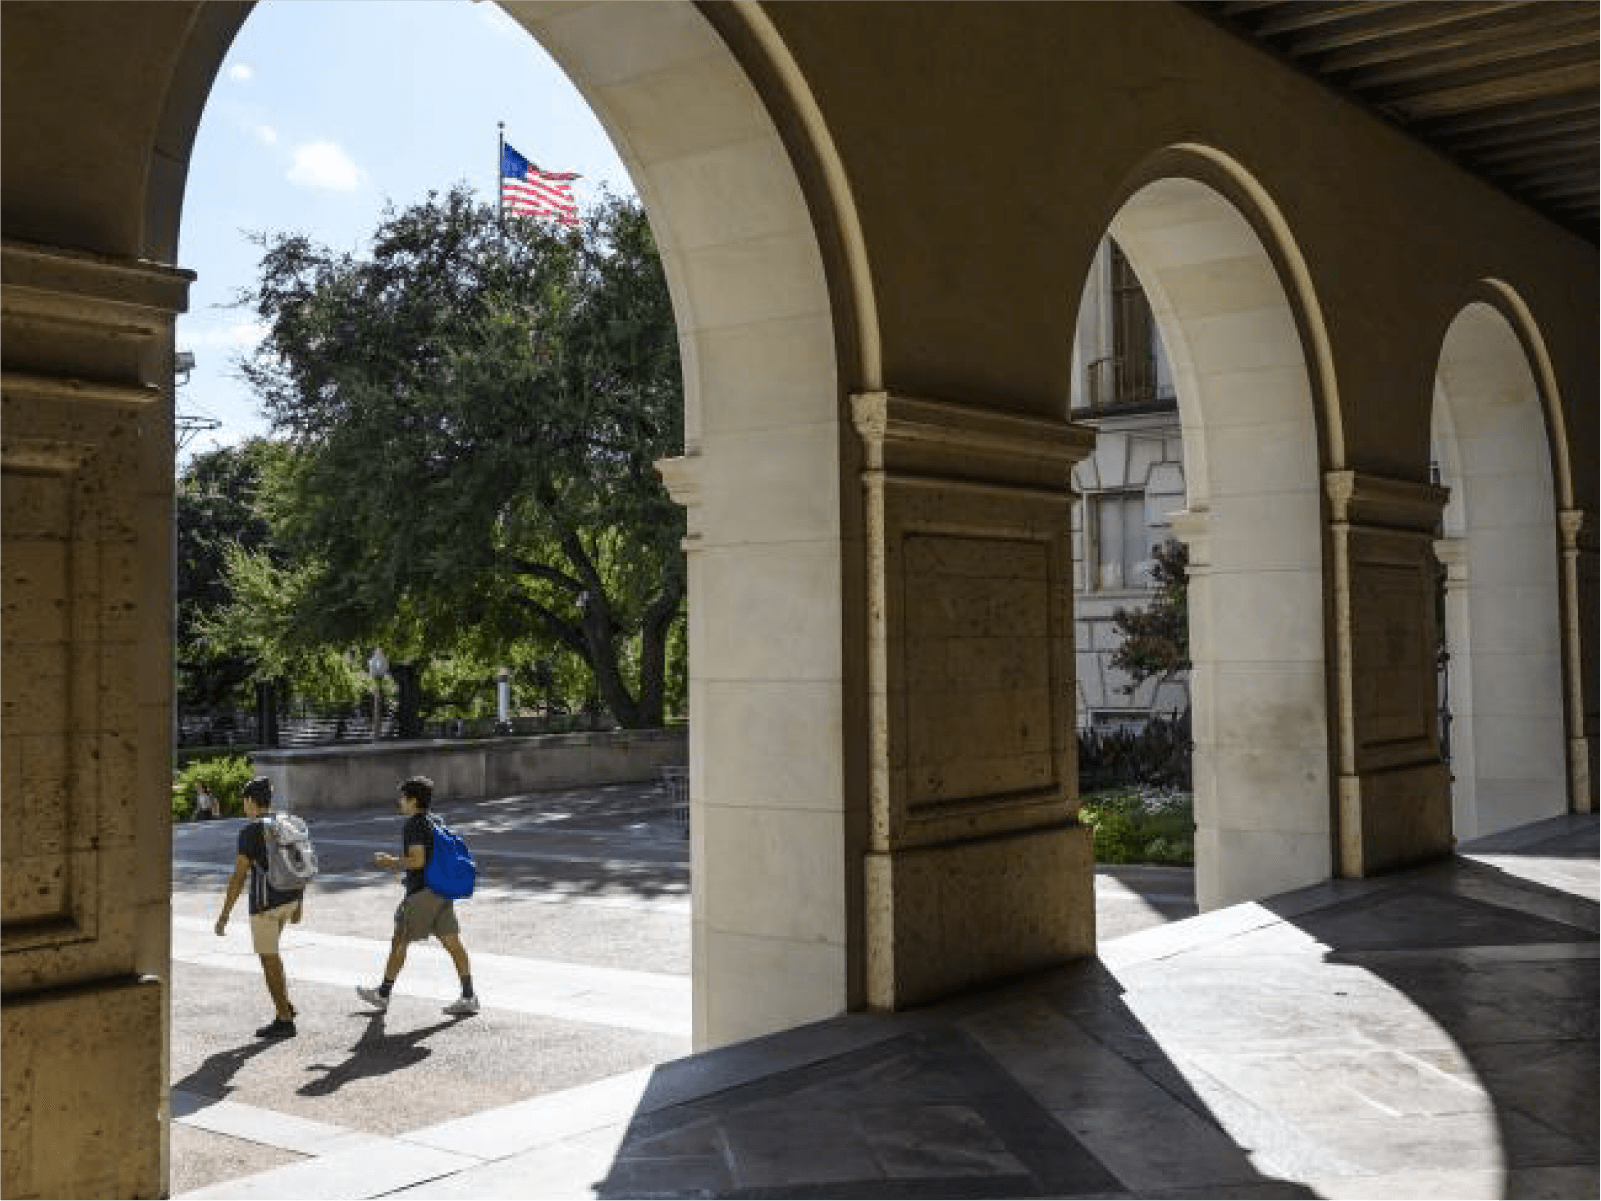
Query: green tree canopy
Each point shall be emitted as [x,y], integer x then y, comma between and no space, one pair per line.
[218,512]
[475,413]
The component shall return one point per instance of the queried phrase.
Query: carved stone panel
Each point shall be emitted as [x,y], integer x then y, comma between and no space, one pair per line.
[975,868]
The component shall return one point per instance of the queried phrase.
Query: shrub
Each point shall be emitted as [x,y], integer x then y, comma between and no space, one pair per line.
[1157,755]
[223,776]
[1133,825]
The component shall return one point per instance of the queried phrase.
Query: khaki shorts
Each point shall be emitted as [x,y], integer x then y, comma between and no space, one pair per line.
[267,927]
[424,913]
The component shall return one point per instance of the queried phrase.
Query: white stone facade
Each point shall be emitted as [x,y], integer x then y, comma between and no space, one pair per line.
[1127,489]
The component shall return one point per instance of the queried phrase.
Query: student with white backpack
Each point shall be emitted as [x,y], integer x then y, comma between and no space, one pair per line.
[275,855]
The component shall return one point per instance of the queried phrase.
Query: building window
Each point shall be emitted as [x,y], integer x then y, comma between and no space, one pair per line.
[1122,542]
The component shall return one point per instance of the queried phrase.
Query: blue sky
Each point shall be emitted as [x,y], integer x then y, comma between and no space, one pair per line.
[326,109]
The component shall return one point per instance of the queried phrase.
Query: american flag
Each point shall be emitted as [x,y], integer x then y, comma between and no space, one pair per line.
[524,188]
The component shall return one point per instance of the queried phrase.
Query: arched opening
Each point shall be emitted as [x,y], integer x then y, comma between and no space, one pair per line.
[759,475]
[1502,682]
[1252,522]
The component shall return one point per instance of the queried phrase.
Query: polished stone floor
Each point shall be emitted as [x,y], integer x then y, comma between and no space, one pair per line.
[1427,1034]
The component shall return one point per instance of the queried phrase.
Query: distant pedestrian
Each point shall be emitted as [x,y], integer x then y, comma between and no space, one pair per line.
[422,912]
[206,806]
[271,909]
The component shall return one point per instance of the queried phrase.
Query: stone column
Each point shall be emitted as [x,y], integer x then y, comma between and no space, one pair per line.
[1394,796]
[975,868]
[1579,563]
[87,530]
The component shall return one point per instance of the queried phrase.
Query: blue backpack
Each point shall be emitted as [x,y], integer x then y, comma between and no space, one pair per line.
[450,871]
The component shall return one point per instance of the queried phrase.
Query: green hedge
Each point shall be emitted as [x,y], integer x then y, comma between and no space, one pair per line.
[1141,825]
[224,776]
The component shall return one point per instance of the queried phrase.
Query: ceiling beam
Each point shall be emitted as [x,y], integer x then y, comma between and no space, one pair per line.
[1310,14]
[1418,60]
[1511,72]
[1550,82]
[1535,146]
[1551,20]
[1411,18]
[1464,124]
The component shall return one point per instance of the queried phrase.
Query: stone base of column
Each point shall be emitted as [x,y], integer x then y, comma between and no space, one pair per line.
[82,1087]
[942,918]
[1581,784]
[1395,818]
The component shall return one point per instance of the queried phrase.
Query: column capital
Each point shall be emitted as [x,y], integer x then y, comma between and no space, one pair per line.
[72,315]
[913,436]
[682,476]
[1361,498]
[1572,524]
[1453,556]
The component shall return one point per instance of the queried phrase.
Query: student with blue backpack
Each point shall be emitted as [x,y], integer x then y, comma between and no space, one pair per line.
[438,873]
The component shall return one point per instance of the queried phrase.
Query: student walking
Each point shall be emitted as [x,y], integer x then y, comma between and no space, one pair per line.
[271,908]
[423,911]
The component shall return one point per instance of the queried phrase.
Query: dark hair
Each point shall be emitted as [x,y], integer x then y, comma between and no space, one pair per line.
[419,789]
[259,790]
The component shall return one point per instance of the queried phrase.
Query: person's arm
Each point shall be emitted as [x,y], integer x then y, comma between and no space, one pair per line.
[416,858]
[236,885]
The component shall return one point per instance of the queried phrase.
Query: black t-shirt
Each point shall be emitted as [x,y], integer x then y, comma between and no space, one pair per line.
[253,846]
[419,831]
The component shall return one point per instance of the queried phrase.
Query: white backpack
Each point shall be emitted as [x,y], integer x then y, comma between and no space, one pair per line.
[291,859]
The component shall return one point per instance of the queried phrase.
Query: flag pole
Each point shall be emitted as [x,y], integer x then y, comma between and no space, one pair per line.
[500,187]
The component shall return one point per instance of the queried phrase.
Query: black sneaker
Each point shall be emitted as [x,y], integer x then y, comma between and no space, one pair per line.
[277,1028]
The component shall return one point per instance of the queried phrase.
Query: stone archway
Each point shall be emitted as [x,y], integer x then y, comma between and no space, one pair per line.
[1253,523]
[1499,550]
[760,476]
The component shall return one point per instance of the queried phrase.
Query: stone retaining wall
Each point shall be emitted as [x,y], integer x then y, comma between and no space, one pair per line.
[324,779]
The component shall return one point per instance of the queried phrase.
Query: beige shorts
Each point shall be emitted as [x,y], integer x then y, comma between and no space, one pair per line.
[267,927]
[424,913]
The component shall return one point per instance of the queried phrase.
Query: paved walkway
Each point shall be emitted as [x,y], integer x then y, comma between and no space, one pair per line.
[1430,1034]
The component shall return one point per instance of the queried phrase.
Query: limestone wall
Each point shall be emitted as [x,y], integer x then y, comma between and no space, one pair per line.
[323,780]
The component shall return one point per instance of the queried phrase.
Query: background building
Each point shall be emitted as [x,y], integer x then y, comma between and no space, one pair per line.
[1123,389]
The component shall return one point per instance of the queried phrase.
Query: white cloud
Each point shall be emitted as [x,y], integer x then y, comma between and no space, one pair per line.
[233,336]
[267,134]
[322,164]
[241,72]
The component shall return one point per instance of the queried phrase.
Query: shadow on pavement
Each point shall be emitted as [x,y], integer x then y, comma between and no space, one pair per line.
[971,1099]
[1505,967]
[375,1053]
[212,1081]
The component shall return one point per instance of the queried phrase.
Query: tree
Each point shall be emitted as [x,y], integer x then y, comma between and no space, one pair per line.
[1156,639]
[217,512]
[475,414]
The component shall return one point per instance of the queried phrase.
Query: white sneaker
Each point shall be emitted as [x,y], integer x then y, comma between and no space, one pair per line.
[462,1006]
[372,996]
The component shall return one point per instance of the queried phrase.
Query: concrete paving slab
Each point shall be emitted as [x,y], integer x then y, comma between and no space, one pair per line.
[372,1170]
[268,1127]
[571,992]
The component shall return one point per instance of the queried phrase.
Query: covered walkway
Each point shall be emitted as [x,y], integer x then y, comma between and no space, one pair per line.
[1428,1034]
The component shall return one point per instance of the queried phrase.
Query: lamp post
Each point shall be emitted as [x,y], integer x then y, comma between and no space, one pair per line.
[377,668]
[503,700]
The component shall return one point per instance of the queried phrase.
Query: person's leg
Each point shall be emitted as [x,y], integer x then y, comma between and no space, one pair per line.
[448,932]
[404,917]
[458,955]
[397,958]
[272,967]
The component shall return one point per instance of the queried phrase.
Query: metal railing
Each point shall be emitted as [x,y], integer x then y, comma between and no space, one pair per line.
[1122,381]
